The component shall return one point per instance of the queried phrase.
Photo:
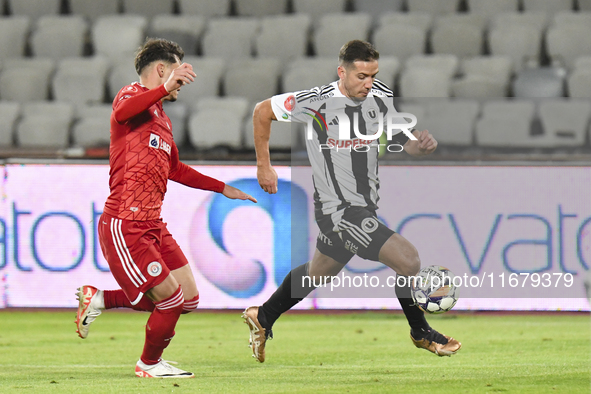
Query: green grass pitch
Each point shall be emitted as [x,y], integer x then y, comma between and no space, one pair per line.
[350,352]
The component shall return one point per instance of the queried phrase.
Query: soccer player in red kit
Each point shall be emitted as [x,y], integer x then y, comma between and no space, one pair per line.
[144,258]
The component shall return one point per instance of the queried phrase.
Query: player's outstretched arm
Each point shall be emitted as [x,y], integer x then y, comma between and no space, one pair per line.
[425,144]
[262,117]
[237,194]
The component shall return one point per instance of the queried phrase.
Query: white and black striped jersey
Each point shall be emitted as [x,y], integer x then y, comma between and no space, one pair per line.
[345,171]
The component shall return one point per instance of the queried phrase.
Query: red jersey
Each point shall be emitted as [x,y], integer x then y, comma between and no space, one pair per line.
[143,156]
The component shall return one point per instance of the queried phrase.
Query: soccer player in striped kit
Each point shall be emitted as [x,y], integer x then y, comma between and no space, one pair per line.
[346,187]
[144,258]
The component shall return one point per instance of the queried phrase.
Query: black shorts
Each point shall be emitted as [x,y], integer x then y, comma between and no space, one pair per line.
[358,232]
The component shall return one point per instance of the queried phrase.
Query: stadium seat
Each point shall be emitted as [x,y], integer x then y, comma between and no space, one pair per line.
[539,82]
[410,40]
[571,18]
[424,82]
[93,9]
[45,125]
[93,125]
[565,121]
[26,79]
[278,30]
[447,64]
[178,113]
[115,36]
[435,7]
[284,135]
[9,113]
[317,9]
[548,6]
[584,5]
[495,67]
[81,81]
[508,123]
[482,77]
[565,43]
[255,80]
[421,20]
[13,35]
[521,43]
[260,7]
[185,30]
[60,36]
[227,103]
[34,8]
[121,74]
[207,82]
[336,29]
[306,73]
[230,37]
[451,121]
[489,8]
[460,35]
[377,8]
[583,63]
[475,86]
[148,8]
[205,8]
[389,67]
[217,122]
[537,20]
[579,84]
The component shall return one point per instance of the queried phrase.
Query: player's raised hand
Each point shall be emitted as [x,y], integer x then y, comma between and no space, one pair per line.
[267,177]
[237,194]
[182,75]
[427,143]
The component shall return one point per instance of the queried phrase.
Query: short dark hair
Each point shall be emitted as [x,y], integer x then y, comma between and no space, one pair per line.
[155,49]
[357,50]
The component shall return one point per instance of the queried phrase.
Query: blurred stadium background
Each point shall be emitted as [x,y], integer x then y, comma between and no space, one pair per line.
[62,62]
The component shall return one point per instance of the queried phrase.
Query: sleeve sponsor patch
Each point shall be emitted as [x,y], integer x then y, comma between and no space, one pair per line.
[289,103]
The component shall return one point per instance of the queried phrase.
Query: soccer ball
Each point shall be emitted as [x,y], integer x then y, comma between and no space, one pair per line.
[433,290]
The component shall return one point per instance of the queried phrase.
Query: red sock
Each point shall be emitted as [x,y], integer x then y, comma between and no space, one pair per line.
[160,327]
[118,299]
[191,305]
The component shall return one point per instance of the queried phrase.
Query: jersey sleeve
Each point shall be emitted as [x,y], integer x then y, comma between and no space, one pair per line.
[284,106]
[130,101]
[185,175]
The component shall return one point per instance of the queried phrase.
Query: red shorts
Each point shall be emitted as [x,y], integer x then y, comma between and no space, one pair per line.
[140,254]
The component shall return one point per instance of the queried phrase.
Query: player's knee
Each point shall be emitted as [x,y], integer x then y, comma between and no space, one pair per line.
[172,304]
[412,264]
[191,305]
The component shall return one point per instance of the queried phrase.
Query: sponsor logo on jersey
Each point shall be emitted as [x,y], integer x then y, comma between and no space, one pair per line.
[154,268]
[124,97]
[156,113]
[285,116]
[318,118]
[157,143]
[323,97]
[289,103]
[131,88]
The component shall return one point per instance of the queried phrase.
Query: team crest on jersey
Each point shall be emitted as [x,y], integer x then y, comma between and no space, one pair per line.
[158,143]
[289,103]
[154,268]
[371,113]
